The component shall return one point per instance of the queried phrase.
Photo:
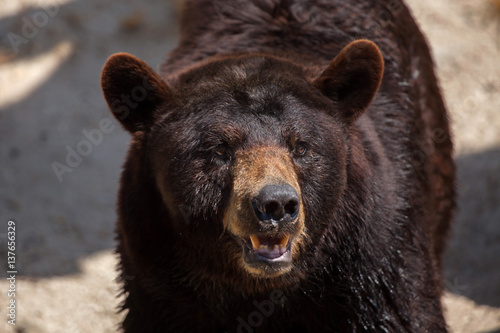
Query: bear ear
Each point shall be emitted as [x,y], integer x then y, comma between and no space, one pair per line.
[352,78]
[133,91]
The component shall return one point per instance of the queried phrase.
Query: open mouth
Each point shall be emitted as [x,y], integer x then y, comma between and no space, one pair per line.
[269,254]
[269,247]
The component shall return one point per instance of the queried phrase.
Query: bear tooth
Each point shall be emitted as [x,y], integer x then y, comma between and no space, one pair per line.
[276,247]
[255,242]
[284,240]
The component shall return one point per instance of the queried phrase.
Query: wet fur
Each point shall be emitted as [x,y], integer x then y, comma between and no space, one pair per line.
[377,211]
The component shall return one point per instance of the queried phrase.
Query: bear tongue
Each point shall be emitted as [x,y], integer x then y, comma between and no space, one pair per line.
[269,247]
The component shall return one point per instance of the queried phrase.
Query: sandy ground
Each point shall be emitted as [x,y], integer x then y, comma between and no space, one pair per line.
[51,54]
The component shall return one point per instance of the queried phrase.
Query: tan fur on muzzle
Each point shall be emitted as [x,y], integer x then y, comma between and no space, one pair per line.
[253,170]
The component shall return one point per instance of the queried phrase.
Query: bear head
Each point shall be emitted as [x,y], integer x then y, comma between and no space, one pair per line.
[248,153]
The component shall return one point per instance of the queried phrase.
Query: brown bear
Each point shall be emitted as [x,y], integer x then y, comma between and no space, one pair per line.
[290,171]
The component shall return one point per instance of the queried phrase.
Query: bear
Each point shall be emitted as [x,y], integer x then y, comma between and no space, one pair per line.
[290,170]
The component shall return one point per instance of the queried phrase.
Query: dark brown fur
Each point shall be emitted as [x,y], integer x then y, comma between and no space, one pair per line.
[250,82]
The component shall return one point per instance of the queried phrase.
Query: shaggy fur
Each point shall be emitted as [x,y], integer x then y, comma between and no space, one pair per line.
[263,92]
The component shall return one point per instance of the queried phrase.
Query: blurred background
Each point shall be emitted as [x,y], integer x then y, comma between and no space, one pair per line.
[51,106]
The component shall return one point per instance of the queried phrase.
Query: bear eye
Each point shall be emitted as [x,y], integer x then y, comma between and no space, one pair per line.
[300,148]
[222,152]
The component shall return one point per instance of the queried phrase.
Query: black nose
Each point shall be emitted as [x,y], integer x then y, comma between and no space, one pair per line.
[276,203]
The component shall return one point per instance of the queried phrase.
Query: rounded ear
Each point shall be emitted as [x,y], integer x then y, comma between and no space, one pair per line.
[133,91]
[352,78]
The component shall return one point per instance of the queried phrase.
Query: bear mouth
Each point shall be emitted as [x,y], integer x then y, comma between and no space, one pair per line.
[269,247]
[268,254]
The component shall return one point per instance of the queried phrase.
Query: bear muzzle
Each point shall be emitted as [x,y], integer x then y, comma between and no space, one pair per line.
[265,214]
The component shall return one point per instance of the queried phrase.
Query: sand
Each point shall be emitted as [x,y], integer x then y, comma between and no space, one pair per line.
[51,102]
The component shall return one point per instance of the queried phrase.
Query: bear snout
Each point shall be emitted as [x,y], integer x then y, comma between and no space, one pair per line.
[266,195]
[277,205]
[265,213]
